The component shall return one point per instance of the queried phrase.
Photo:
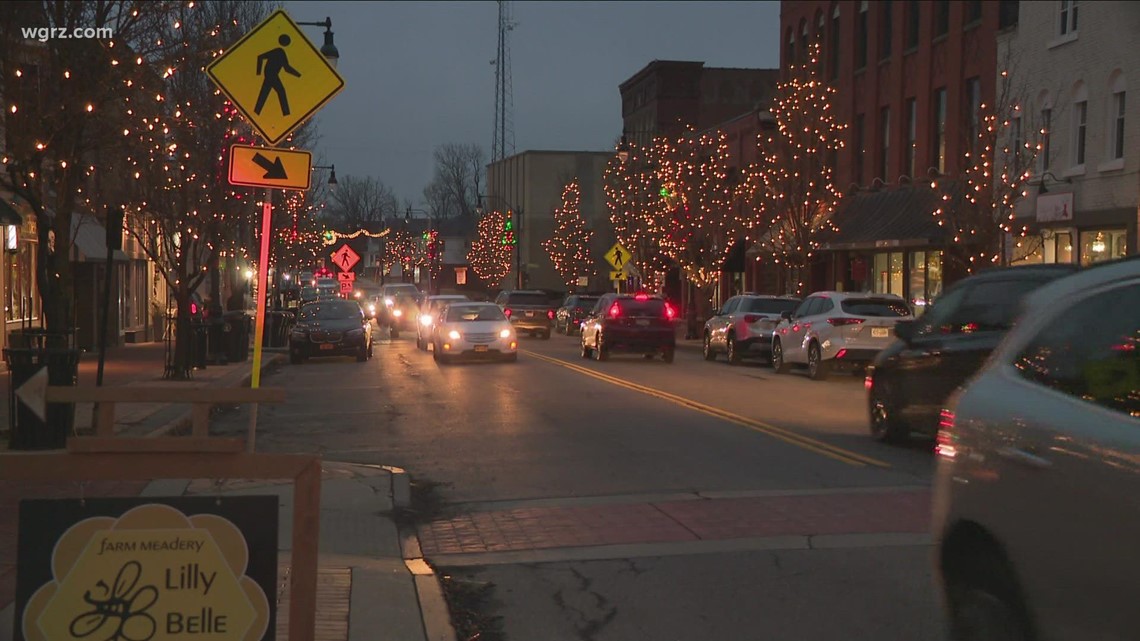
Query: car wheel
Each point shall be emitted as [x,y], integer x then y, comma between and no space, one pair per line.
[362,355]
[600,351]
[667,355]
[886,424]
[778,364]
[585,350]
[817,367]
[984,605]
[733,351]
[511,358]
[708,352]
[435,352]
[370,349]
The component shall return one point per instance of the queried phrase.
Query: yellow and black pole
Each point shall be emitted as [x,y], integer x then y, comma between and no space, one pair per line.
[259,319]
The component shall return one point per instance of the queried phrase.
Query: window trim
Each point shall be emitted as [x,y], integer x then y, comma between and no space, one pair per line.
[1080,133]
[1117,123]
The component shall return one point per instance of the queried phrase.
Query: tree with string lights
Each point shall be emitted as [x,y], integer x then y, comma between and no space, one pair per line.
[791,186]
[977,207]
[633,196]
[491,251]
[569,247]
[697,205]
[403,249]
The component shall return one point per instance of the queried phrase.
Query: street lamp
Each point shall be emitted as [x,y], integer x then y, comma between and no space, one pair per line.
[518,247]
[1040,184]
[332,173]
[328,50]
[623,148]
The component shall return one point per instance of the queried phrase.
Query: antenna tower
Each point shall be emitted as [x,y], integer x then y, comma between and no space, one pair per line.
[503,141]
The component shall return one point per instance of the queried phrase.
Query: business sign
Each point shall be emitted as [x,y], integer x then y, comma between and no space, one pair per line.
[145,569]
[1054,207]
[268,167]
[275,77]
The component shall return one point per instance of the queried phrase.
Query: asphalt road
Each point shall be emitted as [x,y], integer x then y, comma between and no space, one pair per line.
[547,443]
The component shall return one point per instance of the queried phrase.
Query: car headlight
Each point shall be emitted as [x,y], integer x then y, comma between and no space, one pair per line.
[425,320]
[397,312]
[453,335]
[506,333]
[389,301]
[371,308]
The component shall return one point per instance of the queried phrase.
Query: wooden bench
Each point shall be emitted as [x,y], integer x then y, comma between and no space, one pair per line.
[201,400]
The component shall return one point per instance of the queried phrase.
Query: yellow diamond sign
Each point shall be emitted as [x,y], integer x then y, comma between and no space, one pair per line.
[275,77]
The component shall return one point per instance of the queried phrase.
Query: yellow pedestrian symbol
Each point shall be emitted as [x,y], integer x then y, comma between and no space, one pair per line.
[273,62]
[618,256]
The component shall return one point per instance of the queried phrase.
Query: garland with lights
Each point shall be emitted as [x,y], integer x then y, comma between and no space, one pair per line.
[490,253]
[791,185]
[331,237]
[569,247]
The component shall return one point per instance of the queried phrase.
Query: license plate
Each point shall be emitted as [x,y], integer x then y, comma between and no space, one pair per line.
[643,322]
[880,332]
[328,346]
[529,314]
[480,348]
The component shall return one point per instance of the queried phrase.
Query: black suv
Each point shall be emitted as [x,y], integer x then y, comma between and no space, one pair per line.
[630,323]
[529,310]
[576,307]
[911,378]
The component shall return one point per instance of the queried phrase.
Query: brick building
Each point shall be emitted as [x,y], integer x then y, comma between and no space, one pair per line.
[910,79]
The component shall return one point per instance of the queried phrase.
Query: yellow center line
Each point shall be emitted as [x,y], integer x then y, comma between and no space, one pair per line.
[788,436]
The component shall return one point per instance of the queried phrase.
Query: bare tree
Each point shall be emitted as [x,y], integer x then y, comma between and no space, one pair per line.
[357,202]
[458,180]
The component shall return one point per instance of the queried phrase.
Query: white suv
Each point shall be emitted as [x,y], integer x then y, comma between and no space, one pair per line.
[1037,490]
[836,329]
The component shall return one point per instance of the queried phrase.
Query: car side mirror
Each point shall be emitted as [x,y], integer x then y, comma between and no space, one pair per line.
[904,329]
[786,315]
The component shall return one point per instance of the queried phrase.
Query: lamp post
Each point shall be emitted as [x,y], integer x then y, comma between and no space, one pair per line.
[516,223]
[332,173]
[328,50]
[431,259]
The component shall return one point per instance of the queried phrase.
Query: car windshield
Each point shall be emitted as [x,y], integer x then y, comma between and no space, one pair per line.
[443,302]
[468,313]
[875,307]
[402,291]
[308,293]
[650,307]
[587,302]
[770,305]
[330,310]
[536,300]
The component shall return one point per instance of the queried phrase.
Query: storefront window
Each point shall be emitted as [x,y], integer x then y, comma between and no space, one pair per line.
[918,281]
[1102,245]
[889,273]
[933,276]
[1029,250]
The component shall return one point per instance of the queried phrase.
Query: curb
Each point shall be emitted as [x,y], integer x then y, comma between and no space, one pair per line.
[183,421]
[434,612]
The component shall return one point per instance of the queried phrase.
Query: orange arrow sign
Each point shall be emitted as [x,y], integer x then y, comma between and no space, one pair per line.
[267,167]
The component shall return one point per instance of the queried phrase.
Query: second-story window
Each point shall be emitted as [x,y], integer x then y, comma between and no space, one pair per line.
[1068,17]
[887,31]
[861,37]
[912,23]
[973,11]
[885,136]
[1080,125]
[1118,125]
[1015,144]
[938,159]
[834,48]
[941,17]
[911,135]
[860,144]
[973,107]
[1046,134]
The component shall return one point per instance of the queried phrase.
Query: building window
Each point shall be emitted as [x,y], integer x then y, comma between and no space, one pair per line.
[1008,13]
[1080,123]
[1015,143]
[1068,17]
[1046,134]
[941,17]
[1102,245]
[912,18]
[820,24]
[973,106]
[834,49]
[885,133]
[460,275]
[973,11]
[887,31]
[939,147]
[804,41]
[790,56]
[1118,125]
[860,144]
[861,37]
[911,135]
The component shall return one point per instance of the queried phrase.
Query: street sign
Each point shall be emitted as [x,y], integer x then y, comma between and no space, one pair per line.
[618,256]
[267,167]
[618,275]
[33,393]
[275,77]
[346,286]
[346,277]
[147,568]
[345,258]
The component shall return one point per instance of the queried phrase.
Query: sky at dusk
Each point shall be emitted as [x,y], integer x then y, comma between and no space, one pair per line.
[419,74]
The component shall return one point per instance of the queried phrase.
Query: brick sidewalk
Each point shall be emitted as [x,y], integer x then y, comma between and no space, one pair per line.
[888,511]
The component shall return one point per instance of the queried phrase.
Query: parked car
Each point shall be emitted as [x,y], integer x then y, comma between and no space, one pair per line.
[636,323]
[836,330]
[429,310]
[576,307]
[744,326]
[401,303]
[528,310]
[331,327]
[910,380]
[474,330]
[1037,488]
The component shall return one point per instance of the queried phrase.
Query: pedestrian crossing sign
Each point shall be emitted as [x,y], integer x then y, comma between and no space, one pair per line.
[618,256]
[275,77]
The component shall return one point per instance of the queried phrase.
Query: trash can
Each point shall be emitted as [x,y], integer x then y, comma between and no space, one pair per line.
[27,431]
[237,326]
[216,340]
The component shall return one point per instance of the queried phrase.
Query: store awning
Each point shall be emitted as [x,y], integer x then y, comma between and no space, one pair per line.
[891,217]
[89,238]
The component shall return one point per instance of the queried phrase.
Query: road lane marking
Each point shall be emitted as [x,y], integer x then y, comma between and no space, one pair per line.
[786,435]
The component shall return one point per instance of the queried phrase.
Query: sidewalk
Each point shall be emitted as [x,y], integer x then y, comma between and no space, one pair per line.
[373,583]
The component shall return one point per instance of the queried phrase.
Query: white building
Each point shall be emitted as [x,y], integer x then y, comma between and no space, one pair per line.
[1072,62]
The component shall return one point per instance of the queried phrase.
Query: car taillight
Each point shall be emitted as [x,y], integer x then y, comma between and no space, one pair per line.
[751,318]
[944,444]
[641,296]
[844,321]
[507,312]
[670,313]
[840,354]
[615,311]
[550,314]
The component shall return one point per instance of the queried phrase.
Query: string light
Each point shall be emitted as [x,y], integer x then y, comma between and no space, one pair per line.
[569,247]
[489,256]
